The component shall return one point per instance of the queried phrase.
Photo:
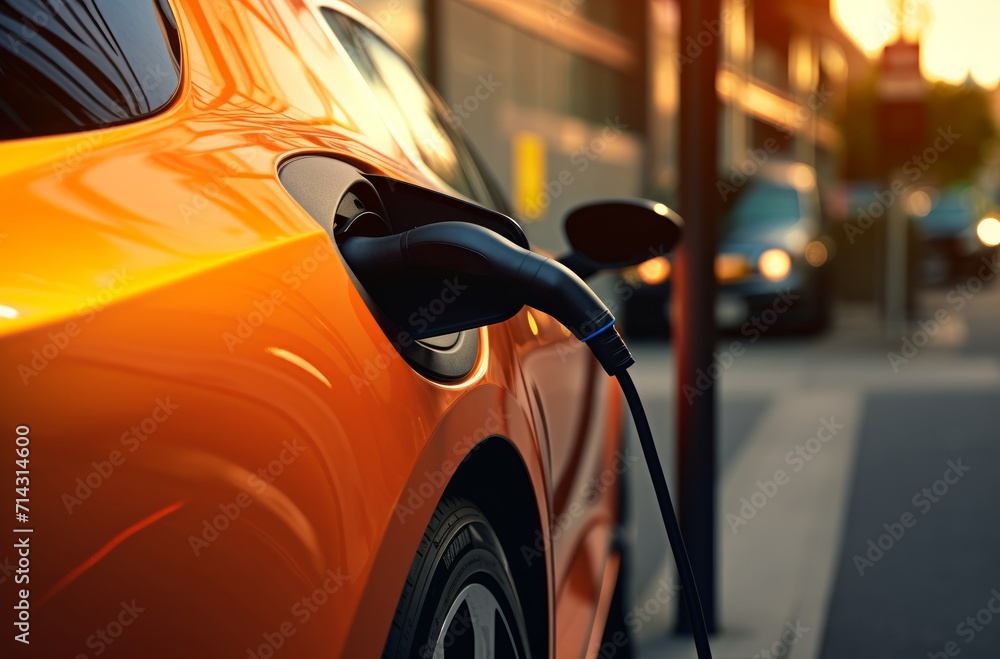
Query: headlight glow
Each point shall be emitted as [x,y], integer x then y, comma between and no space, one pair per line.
[816,253]
[731,267]
[775,264]
[988,231]
[654,271]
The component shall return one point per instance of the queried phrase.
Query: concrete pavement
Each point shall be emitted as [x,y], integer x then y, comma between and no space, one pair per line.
[822,441]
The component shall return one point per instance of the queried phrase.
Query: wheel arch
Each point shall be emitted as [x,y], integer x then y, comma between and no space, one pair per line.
[495,478]
[484,448]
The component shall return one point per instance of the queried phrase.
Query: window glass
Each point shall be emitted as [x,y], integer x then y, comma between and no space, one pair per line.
[404,21]
[409,107]
[953,211]
[764,205]
[71,66]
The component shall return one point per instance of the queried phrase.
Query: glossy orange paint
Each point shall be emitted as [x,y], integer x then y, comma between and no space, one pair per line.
[221,434]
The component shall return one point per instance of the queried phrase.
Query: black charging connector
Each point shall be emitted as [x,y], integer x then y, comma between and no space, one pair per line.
[499,277]
[610,350]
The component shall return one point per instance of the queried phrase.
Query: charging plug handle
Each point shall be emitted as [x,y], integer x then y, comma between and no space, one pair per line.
[462,248]
[550,287]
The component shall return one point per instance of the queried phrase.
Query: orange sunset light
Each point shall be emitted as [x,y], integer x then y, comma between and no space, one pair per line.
[958,36]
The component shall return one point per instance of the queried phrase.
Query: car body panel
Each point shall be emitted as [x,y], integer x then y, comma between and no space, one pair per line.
[166,286]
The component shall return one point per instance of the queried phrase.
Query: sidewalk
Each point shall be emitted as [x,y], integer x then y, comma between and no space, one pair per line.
[786,475]
[777,556]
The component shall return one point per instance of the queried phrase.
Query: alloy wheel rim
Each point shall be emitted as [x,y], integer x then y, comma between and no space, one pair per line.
[485,620]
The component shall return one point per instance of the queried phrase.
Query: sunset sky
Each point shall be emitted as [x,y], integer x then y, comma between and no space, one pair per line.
[959,36]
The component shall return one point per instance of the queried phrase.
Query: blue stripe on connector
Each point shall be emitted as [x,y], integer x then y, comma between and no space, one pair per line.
[609,325]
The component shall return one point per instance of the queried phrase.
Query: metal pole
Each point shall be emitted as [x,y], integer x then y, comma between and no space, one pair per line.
[895,265]
[694,286]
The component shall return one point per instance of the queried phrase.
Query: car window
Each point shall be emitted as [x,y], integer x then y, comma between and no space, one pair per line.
[953,211]
[496,200]
[410,108]
[71,66]
[765,205]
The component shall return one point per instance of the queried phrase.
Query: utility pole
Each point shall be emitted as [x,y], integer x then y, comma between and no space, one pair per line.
[694,287]
[903,120]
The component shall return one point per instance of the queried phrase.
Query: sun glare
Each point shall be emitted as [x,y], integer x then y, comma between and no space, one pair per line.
[958,35]
[870,24]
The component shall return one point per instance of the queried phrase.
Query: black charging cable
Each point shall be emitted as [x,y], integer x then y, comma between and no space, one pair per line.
[515,273]
[690,591]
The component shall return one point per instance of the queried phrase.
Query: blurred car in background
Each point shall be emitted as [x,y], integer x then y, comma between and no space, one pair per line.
[772,262]
[958,232]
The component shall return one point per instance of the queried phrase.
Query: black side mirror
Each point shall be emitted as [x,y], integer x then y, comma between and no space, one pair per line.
[619,233]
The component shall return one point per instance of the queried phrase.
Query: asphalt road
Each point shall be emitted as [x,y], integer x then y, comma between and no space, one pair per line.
[855,549]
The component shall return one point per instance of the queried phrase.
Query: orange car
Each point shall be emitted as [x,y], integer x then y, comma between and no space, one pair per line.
[213,446]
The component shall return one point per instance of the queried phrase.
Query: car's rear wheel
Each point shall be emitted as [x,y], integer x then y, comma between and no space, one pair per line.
[459,600]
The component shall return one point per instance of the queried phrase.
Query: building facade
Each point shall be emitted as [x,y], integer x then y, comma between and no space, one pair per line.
[571,100]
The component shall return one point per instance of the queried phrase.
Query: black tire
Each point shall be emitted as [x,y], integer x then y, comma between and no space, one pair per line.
[459,568]
[820,313]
